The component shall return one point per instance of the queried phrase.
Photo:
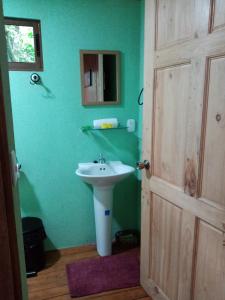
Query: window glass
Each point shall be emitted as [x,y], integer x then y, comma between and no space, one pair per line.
[20,43]
[23,40]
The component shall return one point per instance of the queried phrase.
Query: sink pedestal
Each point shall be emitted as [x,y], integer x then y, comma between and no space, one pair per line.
[103,177]
[103,202]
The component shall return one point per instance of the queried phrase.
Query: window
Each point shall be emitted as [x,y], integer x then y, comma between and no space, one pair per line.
[23,38]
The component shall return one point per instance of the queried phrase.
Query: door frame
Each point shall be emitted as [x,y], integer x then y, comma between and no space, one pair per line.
[9,279]
[149,43]
[10,263]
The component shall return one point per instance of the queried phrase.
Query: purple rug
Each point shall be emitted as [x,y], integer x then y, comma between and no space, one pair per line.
[96,275]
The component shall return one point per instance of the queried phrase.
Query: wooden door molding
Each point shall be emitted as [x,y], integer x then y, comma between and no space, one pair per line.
[149,40]
[10,280]
[183,206]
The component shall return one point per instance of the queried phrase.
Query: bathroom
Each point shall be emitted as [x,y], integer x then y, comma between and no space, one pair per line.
[48,118]
[176,203]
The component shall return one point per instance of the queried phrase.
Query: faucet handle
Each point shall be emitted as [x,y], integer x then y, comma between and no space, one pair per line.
[101,159]
[101,156]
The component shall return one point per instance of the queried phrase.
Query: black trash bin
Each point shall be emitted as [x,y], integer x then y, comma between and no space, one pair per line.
[33,236]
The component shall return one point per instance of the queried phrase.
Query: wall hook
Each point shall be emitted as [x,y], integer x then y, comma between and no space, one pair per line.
[35,78]
[139,97]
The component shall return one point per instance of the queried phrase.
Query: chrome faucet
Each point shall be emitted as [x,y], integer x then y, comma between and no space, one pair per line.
[101,159]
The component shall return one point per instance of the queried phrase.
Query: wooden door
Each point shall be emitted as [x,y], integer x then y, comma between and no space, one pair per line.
[183,193]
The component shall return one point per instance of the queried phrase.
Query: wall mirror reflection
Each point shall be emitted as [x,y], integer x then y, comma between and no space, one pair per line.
[99,77]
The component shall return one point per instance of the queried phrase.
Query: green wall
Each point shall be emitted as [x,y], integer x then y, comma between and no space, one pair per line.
[140,111]
[141,71]
[47,120]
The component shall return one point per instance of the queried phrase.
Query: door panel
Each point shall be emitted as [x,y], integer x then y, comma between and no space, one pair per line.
[180,20]
[186,246]
[213,187]
[172,236]
[169,15]
[172,112]
[183,193]
[218,16]
[166,231]
[210,265]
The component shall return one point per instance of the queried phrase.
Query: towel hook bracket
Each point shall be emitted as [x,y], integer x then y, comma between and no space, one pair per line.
[35,78]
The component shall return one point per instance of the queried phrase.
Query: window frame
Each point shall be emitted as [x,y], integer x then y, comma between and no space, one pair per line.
[27,66]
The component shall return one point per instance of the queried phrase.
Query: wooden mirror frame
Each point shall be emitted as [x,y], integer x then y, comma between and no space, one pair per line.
[85,102]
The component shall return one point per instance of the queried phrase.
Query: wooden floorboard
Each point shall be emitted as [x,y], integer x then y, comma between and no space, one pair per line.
[51,283]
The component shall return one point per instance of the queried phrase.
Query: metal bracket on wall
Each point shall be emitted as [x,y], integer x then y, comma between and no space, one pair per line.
[35,78]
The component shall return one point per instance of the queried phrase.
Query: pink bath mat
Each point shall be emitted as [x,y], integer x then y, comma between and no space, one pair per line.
[96,275]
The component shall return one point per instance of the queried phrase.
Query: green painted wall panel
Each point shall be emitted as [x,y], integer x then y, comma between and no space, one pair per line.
[48,118]
[140,111]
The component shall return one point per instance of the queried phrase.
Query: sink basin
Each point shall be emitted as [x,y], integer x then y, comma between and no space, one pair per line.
[103,177]
[103,174]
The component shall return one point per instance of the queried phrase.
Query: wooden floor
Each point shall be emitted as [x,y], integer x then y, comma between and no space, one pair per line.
[51,283]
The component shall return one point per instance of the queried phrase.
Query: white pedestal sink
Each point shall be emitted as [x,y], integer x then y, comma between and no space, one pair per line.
[103,177]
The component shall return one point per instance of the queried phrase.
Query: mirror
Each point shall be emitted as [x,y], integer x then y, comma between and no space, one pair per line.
[99,77]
